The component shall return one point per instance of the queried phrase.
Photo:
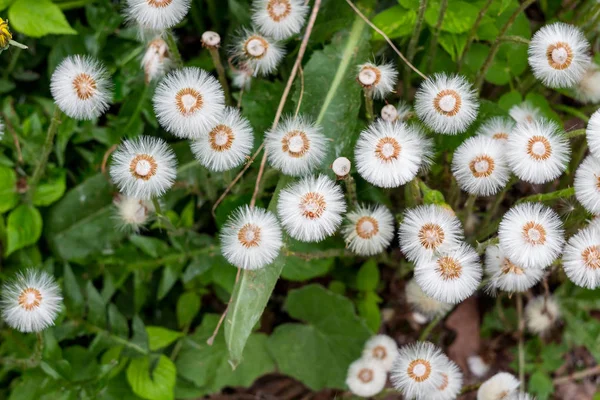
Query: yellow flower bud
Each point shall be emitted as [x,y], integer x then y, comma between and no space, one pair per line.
[5,35]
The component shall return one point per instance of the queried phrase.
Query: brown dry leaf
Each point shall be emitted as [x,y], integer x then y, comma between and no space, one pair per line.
[464,321]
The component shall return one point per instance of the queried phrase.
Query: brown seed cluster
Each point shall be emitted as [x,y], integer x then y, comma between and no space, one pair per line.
[84,86]
[482,166]
[591,257]
[500,136]
[253,53]
[539,148]
[431,236]
[457,102]
[289,144]
[279,9]
[566,55]
[221,138]
[159,3]
[143,158]
[509,268]
[184,105]
[249,235]
[388,149]
[367,227]
[379,352]
[449,268]
[313,205]
[419,362]
[30,298]
[445,382]
[534,233]
[365,375]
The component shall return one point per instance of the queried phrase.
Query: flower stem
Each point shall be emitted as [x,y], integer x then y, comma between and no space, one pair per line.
[368,104]
[351,190]
[173,49]
[559,194]
[412,45]
[412,193]
[473,33]
[46,150]
[214,53]
[436,34]
[427,331]
[575,133]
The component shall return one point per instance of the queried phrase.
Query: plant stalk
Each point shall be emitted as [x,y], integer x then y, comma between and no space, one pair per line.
[173,49]
[46,150]
[368,104]
[214,53]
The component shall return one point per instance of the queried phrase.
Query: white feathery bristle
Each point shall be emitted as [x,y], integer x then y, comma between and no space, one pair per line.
[366,377]
[144,167]
[417,370]
[592,134]
[382,349]
[507,276]
[538,152]
[581,257]
[525,113]
[369,230]
[156,61]
[251,238]
[390,154]
[418,317]
[311,209]
[211,39]
[31,301]
[428,229]
[587,184]
[378,80]
[446,103]
[479,166]
[452,380]
[227,145]
[242,77]
[157,15]
[189,102]
[500,386]
[81,87]
[279,19]
[498,128]
[541,314]
[477,366]
[452,275]
[558,55]
[297,146]
[341,167]
[531,235]
[422,303]
[257,53]
[133,213]
[587,89]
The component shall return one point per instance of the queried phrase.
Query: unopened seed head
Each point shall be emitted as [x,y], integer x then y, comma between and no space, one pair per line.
[211,39]
[341,167]
[389,113]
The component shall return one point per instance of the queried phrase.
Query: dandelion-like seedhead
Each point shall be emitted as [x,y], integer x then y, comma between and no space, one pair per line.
[383,349]
[531,235]
[417,370]
[156,61]
[525,113]
[452,380]
[402,112]
[211,40]
[446,103]
[500,386]
[581,257]
[189,102]
[587,184]
[538,152]
[390,154]
[227,144]
[587,89]
[369,230]
[251,238]
[505,275]
[592,134]
[424,304]
[132,213]
[31,301]
[378,80]
[81,87]
[279,19]
[426,230]
[341,167]
[477,366]
[144,167]
[497,128]
[297,146]
[156,15]
[451,275]
[258,53]
[366,377]
[479,166]
[541,314]
[558,55]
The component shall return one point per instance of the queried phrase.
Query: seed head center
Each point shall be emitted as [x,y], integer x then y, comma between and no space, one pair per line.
[295,143]
[256,47]
[539,148]
[419,370]
[534,233]
[143,166]
[188,101]
[30,299]
[365,375]
[449,268]
[388,149]
[431,236]
[313,205]
[84,86]
[367,227]
[591,257]
[279,9]
[560,55]
[447,102]
[379,352]
[221,138]
[159,3]
[482,166]
[249,235]
[369,76]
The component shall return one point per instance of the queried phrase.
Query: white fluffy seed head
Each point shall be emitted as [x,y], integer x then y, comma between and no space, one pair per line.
[587,89]
[531,235]
[402,112]
[581,257]
[366,377]
[507,276]
[227,144]
[497,128]
[541,314]
[144,167]
[251,238]
[279,19]
[156,15]
[383,349]
[477,366]
[479,166]
[499,387]
[390,154]
[587,184]
[525,113]
[156,61]
[451,275]
[368,230]
[257,52]
[452,380]
[426,230]
[31,301]
[81,87]
[133,213]
[446,103]
[422,303]
[297,146]
[311,209]
[417,370]
[592,134]
[378,80]
[341,167]
[189,102]
[538,152]
[558,55]
[211,39]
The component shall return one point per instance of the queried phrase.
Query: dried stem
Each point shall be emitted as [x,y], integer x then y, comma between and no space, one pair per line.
[436,34]
[107,154]
[214,53]
[473,32]
[412,45]
[301,92]
[577,375]
[46,150]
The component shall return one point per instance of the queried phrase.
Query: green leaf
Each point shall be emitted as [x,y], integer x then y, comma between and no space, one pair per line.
[541,385]
[510,99]
[367,278]
[73,296]
[157,384]
[24,227]
[318,353]
[188,306]
[395,22]
[453,44]
[8,189]
[297,269]
[159,337]
[96,306]
[51,189]
[152,246]
[460,16]
[37,18]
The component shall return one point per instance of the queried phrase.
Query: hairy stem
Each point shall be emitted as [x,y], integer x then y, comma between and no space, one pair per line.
[46,150]
[351,190]
[173,49]
[214,53]
[559,194]
[368,104]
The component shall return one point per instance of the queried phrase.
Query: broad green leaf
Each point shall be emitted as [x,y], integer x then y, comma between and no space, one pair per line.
[510,99]
[37,18]
[318,353]
[117,322]
[368,309]
[8,189]
[188,306]
[159,337]
[395,22]
[298,269]
[460,16]
[541,385]
[454,44]
[50,189]
[367,277]
[5,3]
[23,228]
[73,296]
[152,246]
[96,306]
[155,384]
